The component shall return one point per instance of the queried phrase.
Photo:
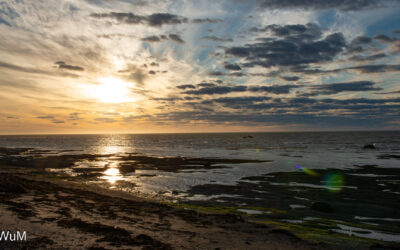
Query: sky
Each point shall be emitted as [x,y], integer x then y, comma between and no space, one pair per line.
[136,66]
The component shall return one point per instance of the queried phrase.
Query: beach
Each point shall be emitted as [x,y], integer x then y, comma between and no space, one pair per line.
[306,191]
[64,215]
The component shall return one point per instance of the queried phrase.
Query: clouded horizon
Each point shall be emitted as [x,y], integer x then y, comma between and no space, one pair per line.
[134,66]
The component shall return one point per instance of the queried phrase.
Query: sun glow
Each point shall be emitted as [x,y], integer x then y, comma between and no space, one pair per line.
[112,90]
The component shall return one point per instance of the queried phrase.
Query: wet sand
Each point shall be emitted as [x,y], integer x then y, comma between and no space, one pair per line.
[59,214]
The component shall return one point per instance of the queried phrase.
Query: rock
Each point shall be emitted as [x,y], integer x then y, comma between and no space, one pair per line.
[322,207]
[247,136]
[369,146]
[377,246]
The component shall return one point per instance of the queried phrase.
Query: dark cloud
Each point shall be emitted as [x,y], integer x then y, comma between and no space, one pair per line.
[359,44]
[373,57]
[159,19]
[375,68]
[290,78]
[237,74]
[309,31]
[216,73]
[156,19]
[361,40]
[128,18]
[217,39]
[206,85]
[384,38]
[186,86]
[134,73]
[275,89]
[211,89]
[389,93]
[334,88]
[294,45]
[63,65]
[47,117]
[151,39]
[173,37]
[206,20]
[343,5]
[34,70]
[216,90]
[176,38]
[237,102]
[5,22]
[308,111]
[232,66]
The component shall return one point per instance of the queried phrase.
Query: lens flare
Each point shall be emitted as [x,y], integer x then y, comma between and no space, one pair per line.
[334,182]
[306,170]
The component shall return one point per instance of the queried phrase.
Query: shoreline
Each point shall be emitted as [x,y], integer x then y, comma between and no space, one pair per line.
[61,214]
[306,207]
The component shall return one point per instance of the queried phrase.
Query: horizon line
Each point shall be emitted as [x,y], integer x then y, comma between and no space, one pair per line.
[210,132]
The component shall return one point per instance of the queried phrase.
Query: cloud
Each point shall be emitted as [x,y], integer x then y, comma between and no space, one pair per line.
[343,5]
[151,39]
[232,66]
[211,89]
[136,74]
[389,93]
[155,20]
[293,45]
[307,111]
[375,68]
[186,86]
[373,57]
[384,38]
[290,78]
[74,116]
[216,73]
[105,120]
[334,88]
[63,65]
[173,37]
[216,90]
[206,20]
[176,38]
[217,39]
[159,19]
[34,70]
[275,89]
[50,118]
[5,22]
[206,85]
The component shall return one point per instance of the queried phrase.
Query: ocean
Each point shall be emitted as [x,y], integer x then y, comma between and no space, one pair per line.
[282,151]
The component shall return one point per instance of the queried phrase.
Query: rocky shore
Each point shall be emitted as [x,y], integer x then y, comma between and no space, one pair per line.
[63,215]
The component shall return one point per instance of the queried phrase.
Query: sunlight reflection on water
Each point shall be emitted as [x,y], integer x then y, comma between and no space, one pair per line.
[112,175]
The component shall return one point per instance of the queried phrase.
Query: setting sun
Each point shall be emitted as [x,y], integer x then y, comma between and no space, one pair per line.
[112,90]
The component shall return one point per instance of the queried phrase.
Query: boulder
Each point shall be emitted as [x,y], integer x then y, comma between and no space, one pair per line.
[369,146]
[322,207]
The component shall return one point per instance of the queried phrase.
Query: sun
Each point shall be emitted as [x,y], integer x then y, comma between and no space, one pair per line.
[112,90]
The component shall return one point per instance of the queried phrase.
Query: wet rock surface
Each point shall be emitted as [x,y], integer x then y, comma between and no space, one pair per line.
[59,215]
[364,197]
